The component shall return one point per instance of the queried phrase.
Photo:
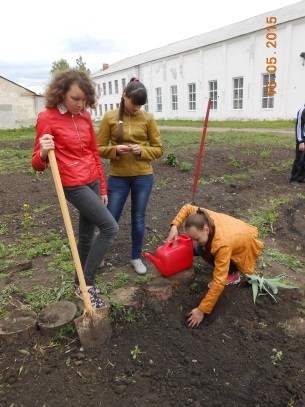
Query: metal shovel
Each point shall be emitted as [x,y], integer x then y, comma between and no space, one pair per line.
[93,327]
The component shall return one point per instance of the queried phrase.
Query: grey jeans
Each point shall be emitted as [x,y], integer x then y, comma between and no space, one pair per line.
[92,213]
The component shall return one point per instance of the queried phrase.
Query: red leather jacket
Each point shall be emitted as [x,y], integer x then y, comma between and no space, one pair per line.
[76,149]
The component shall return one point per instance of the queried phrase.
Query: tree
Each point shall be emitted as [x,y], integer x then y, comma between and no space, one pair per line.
[63,64]
[81,65]
[60,65]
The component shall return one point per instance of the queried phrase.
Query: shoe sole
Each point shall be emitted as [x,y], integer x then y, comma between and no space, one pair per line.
[232,282]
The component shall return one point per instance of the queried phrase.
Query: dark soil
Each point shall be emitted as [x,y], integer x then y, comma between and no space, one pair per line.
[232,359]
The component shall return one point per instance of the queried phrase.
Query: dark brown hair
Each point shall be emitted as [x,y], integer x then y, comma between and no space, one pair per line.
[199,220]
[136,91]
[62,81]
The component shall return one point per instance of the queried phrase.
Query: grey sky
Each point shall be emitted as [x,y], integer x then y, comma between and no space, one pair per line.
[34,34]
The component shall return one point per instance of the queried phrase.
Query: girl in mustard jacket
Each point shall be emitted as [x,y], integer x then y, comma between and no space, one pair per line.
[229,244]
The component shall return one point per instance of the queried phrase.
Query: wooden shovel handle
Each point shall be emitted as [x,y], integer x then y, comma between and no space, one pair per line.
[69,229]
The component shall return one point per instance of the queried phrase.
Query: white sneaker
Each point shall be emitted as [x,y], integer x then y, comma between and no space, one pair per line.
[138,266]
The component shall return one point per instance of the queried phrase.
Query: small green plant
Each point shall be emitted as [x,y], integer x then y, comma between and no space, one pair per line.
[302,309]
[276,357]
[263,152]
[202,181]
[262,325]
[264,286]
[185,166]
[171,159]
[236,163]
[193,288]
[3,229]
[135,352]
[163,181]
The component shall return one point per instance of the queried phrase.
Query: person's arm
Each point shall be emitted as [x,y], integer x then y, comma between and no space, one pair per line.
[106,150]
[154,149]
[43,143]
[220,273]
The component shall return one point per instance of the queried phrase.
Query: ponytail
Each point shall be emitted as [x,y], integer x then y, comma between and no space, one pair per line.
[199,220]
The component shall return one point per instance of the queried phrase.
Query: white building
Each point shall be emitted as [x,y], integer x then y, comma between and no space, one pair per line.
[232,66]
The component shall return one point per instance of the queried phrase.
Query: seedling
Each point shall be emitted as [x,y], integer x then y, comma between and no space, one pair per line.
[264,286]
[276,357]
[185,166]
[134,353]
[171,159]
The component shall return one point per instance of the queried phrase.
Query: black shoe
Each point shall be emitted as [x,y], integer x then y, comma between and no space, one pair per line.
[295,184]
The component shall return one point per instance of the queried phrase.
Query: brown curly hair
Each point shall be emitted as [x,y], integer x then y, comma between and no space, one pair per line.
[61,83]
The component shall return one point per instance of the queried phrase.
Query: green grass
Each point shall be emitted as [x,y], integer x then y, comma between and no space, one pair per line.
[274,124]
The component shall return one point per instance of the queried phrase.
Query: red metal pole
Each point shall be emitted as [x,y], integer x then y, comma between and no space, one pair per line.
[204,130]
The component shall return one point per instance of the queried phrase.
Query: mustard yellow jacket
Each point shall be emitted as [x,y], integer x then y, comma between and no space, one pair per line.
[234,240]
[140,128]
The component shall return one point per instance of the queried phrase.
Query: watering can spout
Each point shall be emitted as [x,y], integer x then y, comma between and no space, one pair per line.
[153,259]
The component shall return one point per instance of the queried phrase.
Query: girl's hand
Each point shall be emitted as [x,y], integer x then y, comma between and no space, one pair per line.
[46,143]
[173,234]
[135,149]
[121,149]
[196,316]
[104,199]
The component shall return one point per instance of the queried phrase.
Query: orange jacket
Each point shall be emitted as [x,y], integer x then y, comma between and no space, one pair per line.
[234,240]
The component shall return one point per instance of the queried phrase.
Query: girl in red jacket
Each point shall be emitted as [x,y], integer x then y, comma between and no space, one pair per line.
[66,127]
[228,244]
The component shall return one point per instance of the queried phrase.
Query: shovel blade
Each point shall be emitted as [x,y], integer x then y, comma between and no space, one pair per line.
[95,329]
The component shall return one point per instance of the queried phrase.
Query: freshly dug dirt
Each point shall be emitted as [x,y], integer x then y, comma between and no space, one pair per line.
[242,355]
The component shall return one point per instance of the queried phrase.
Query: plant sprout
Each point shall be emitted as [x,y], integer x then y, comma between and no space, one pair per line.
[264,286]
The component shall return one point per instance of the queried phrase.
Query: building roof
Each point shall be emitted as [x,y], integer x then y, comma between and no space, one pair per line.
[14,83]
[283,15]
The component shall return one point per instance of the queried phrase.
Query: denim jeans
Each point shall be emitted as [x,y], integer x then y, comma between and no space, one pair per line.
[92,213]
[198,251]
[140,188]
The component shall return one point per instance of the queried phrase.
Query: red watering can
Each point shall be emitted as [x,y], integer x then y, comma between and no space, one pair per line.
[173,256]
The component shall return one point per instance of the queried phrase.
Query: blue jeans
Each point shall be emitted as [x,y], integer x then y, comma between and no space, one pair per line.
[92,213]
[198,251]
[140,188]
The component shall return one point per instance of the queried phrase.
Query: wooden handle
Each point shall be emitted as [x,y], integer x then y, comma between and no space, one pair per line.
[69,229]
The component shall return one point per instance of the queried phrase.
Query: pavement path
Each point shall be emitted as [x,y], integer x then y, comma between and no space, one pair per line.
[222,129]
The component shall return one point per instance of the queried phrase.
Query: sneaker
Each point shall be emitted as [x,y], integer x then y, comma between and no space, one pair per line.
[295,184]
[231,279]
[78,292]
[96,302]
[138,266]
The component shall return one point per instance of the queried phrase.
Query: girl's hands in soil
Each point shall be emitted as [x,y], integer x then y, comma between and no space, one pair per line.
[46,143]
[173,234]
[196,316]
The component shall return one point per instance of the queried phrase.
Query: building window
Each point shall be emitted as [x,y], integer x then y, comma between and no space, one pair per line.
[238,93]
[213,94]
[117,105]
[104,88]
[123,84]
[116,86]
[111,106]
[105,106]
[100,110]
[268,93]
[192,96]
[159,99]
[146,106]
[99,90]
[174,95]
[110,88]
